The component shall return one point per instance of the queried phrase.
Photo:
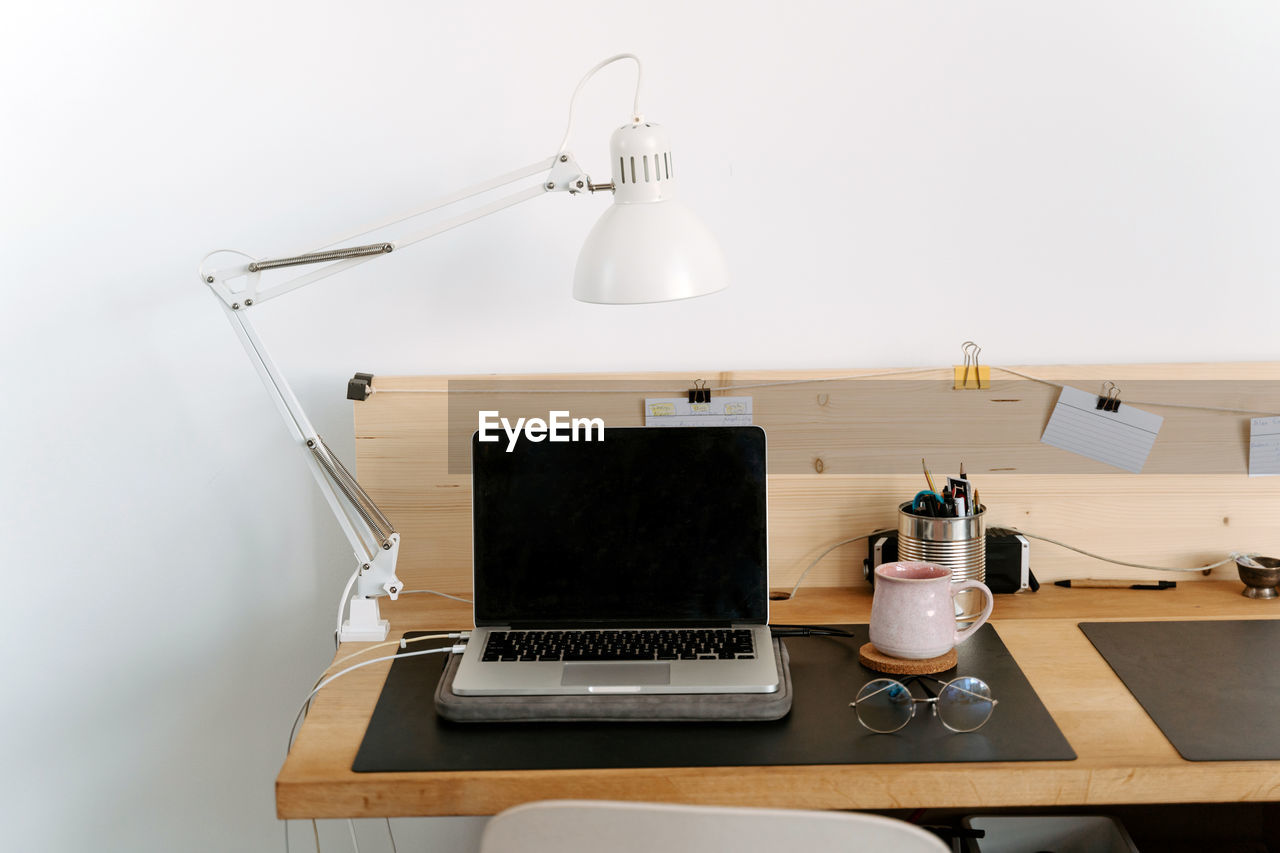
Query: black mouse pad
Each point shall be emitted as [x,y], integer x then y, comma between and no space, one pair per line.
[404,733]
[1212,687]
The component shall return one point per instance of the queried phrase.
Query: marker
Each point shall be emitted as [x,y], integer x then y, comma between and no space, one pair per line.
[1088,583]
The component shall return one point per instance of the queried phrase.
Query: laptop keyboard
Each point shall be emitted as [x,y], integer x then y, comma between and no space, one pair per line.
[644,644]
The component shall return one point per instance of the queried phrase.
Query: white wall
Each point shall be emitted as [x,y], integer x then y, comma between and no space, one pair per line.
[1060,181]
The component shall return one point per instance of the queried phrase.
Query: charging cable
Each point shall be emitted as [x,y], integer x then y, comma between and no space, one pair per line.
[456,649]
[403,643]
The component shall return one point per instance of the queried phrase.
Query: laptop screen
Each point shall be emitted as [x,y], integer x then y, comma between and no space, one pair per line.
[649,526]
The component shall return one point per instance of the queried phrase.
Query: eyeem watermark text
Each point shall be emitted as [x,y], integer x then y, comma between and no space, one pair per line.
[559,426]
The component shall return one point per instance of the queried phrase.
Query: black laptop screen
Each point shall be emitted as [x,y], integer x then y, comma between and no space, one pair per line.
[650,525]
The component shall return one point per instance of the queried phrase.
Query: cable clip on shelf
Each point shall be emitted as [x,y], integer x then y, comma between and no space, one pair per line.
[360,387]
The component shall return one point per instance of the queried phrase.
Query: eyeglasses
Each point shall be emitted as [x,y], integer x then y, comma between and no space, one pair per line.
[963,704]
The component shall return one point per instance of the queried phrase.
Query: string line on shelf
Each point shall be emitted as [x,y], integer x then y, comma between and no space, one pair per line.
[782,383]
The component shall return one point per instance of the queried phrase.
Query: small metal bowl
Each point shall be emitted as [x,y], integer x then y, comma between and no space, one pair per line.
[1260,576]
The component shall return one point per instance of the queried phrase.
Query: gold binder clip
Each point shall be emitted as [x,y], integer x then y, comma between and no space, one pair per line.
[971,376]
[699,393]
[1109,399]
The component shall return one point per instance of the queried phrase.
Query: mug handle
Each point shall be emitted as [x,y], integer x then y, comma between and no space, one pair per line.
[961,636]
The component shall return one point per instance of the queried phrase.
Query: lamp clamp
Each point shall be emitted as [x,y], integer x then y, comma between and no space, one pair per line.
[377,577]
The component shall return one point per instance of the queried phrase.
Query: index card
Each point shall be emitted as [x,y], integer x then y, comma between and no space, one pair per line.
[678,411]
[1264,447]
[1122,438]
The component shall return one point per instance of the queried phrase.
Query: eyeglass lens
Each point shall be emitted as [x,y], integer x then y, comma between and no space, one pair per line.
[884,705]
[965,704]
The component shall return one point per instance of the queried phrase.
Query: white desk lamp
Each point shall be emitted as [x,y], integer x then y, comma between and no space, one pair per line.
[647,247]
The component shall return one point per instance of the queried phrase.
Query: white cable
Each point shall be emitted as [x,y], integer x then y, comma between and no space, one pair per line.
[1150,404]
[1147,402]
[1207,568]
[351,825]
[635,104]
[342,604]
[318,685]
[391,835]
[786,382]
[1025,376]
[402,643]
[781,383]
[816,559]
[528,391]
[717,389]
[456,649]
[435,592]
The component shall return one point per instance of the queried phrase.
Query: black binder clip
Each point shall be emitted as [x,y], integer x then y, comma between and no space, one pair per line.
[1109,400]
[360,387]
[699,393]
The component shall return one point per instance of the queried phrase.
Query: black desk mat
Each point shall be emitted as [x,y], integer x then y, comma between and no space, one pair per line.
[404,733]
[1212,687]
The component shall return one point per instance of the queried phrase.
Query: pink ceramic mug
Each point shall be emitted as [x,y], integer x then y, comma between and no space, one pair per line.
[913,615]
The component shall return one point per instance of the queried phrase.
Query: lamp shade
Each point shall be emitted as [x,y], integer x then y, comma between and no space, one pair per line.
[648,246]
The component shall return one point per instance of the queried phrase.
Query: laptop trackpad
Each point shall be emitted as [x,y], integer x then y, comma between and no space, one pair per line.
[615,674]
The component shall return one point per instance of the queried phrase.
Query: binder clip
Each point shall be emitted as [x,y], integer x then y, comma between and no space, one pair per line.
[1111,401]
[971,375]
[699,393]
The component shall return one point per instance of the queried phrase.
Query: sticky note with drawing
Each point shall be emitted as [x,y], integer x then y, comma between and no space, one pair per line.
[677,411]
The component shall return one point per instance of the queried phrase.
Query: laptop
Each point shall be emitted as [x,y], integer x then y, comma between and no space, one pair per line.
[635,563]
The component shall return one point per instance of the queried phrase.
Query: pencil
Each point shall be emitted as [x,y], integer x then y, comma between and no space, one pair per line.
[927,478]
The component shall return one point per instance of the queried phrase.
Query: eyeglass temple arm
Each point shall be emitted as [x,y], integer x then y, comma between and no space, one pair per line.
[993,702]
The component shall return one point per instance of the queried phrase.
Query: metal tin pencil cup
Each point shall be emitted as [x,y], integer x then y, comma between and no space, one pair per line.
[959,544]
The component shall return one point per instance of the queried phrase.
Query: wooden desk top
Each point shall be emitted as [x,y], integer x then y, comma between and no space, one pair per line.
[1123,757]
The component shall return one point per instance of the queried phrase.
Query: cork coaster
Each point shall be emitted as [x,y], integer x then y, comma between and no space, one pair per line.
[872,658]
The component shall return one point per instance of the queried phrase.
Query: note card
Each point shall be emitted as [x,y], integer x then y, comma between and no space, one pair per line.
[678,411]
[1264,447]
[1122,438]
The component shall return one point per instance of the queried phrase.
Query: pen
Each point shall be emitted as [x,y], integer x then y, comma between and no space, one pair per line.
[1089,583]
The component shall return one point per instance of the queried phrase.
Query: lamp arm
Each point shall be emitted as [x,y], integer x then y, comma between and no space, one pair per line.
[562,174]
[373,539]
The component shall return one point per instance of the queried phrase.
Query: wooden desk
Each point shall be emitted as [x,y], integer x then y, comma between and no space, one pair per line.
[1123,757]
